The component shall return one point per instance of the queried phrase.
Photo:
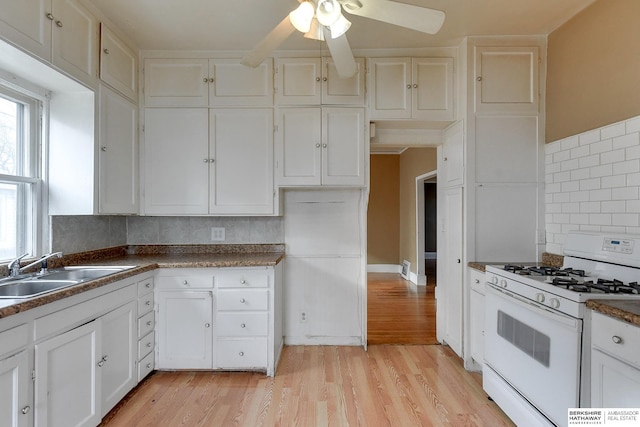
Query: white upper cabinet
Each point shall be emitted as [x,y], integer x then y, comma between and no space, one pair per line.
[118,154]
[453,155]
[507,79]
[411,88]
[62,32]
[118,64]
[320,146]
[203,82]
[315,81]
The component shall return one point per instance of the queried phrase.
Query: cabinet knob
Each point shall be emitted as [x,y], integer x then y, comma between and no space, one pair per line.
[207,325]
[148,285]
[185,283]
[458,261]
[317,79]
[206,80]
[106,51]
[103,148]
[445,159]
[415,85]
[242,300]
[59,24]
[147,303]
[25,410]
[149,323]
[49,16]
[148,345]
[477,280]
[243,282]
[324,79]
[241,354]
[317,145]
[324,145]
[616,339]
[211,80]
[242,325]
[479,78]
[408,86]
[149,365]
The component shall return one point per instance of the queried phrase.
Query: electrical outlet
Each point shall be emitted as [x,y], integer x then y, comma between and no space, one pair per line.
[303,317]
[217,234]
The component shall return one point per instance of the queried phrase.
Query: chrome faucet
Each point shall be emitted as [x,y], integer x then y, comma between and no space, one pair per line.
[15,269]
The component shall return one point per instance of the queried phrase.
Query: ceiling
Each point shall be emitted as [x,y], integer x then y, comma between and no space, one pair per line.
[238,25]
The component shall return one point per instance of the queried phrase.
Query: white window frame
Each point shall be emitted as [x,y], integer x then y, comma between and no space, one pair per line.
[36,204]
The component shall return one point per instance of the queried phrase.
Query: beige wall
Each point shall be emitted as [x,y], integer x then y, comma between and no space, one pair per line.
[383,215]
[593,69]
[413,163]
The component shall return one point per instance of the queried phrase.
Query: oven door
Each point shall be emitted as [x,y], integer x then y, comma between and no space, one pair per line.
[535,349]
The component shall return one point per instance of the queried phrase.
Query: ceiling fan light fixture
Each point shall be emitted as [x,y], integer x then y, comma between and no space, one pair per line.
[316,31]
[339,27]
[301,17]
[328,12]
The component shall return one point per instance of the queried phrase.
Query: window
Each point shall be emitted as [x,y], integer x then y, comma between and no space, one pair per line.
[20,174]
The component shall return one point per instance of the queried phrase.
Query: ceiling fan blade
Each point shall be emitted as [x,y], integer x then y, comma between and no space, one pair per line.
[341,53]
[279,34]
[404,15]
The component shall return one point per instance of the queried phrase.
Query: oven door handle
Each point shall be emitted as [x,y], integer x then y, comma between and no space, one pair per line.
[528,304]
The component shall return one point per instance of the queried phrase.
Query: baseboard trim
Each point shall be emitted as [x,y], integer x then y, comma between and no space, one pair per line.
[384,268]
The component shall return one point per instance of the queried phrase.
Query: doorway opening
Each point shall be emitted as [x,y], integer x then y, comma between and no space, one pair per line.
[426,227]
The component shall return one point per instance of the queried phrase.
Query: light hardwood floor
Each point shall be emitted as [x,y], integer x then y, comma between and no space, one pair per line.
[388,385]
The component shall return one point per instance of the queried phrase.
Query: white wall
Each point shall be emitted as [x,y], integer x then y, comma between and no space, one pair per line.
[593,182]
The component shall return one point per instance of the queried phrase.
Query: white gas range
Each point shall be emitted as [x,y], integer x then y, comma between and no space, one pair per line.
[534,321]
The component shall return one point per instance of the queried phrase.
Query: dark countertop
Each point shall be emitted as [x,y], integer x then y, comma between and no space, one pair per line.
[625,310]
[548,259]
[148,258]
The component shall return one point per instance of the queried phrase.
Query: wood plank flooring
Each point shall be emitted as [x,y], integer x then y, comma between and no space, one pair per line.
[399,312]
[389,385]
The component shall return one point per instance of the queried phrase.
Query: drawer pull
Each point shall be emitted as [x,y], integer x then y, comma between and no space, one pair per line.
[616,339]
[149,365]
[207,325]
[26,410]
[148,345]
[242,300]
[243,281]
[147,303]
[149,323]
[242,325]
[147,285]
[241,353]
[185,283]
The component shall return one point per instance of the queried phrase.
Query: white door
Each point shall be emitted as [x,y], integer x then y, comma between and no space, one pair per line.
[241,153]
[176,82]
[176,159]
[118,188]
[343,143]
[26,24]
[118,358]
[298,81]
[67,384]
[453,155]
[75,38]
[432,86]
[185,337]
[15,405]
[451,280]
[298,146]
[614,383]
[232,83]
[118,64]
[391,88]
[339,91]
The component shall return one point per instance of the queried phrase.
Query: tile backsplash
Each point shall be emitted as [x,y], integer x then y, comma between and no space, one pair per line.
[592,182]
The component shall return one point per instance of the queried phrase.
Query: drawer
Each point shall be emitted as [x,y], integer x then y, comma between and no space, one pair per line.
[146,324]
[616,337]
[242,354]
[243,299]
[200,280]
[242,278]
[145,304]
[242,324]
[145,286]
[146,345]
[14,339]
[145,366]
[477,280]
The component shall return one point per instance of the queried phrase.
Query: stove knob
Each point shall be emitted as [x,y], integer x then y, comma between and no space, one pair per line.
[540,297]
[494,280]
[554,303]
[503,283]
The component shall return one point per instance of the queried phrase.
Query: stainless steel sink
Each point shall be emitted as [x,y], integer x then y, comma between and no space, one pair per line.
[31,288]
[37,284]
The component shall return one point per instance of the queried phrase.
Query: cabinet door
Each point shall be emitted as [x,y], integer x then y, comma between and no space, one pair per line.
[241,150]
[453,155]
[507,79]
[176,161]
[67,384]
[185,337]
[118,356]
[25,23]
[236,84]
[432,86]
[75,40]
[176,82]
[15,405]
[118,183]
[614,384]
[298,81]
[339,91]
[118,64]
[391,88]
[299,146]
[476,314]
[343,146]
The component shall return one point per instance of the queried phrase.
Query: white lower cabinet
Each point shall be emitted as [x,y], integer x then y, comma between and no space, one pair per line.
[67,384]
[476,315]
[15,401]
[146,328]
[615,363]
[219,318]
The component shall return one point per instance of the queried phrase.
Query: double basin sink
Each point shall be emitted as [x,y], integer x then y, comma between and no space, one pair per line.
[36,284]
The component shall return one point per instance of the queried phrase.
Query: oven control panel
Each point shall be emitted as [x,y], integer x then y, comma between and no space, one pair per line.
[622,246]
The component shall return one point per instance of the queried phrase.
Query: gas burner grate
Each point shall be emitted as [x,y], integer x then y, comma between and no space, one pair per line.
[517,269]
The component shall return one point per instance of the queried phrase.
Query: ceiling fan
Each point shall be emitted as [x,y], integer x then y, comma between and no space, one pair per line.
[323,20]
